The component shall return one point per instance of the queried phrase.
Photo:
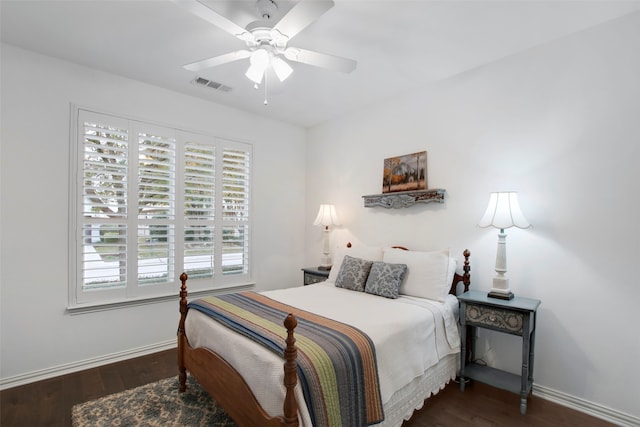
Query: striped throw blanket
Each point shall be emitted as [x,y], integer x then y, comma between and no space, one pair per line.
[337,367]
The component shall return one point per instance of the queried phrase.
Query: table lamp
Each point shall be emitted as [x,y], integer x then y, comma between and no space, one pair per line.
[326,216]
[503,212]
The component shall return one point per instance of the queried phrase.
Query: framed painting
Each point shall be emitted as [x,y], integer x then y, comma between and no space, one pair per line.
[405,173]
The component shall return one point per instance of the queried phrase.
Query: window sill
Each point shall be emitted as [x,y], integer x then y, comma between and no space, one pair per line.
[113,305]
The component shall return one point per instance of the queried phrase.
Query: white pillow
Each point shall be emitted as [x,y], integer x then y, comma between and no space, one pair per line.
[427,272]
[370,253]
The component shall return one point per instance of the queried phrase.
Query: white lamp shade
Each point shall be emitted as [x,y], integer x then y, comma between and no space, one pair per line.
[327,216]
[259,58]
[281,68]
[503,212]
[259,61]
[255,74]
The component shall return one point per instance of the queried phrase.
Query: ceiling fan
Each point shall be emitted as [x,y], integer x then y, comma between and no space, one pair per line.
[267,42]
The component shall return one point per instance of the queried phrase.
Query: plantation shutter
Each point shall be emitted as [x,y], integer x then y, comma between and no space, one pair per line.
[199,209]
[150,202]
[235,211]
[156,198]
[104,203]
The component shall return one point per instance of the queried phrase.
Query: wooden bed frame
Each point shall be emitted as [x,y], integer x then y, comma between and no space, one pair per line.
[227,387]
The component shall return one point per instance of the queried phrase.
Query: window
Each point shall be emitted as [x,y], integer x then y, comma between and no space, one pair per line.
[150,202]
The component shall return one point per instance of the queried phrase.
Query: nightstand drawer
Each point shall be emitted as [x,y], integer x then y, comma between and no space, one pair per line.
[310,279]
[496,318]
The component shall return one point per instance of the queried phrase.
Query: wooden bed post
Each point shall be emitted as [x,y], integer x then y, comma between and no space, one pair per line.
[466,280]
[466,277]
[290,406]
[182,370]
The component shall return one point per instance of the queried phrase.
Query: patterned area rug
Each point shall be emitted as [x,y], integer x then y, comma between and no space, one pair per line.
[155,404]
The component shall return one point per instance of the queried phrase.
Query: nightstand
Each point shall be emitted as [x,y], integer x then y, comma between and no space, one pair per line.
[517,317]
[313,275]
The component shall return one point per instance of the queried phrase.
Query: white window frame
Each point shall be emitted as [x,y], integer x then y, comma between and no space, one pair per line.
[133,293]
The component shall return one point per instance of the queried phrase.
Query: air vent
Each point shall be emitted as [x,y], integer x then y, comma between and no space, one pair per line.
[200,81]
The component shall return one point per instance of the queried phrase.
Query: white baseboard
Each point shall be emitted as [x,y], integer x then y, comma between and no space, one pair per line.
[68,368]
[593,409]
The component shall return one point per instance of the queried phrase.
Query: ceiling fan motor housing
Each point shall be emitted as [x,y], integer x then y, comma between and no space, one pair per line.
[263,35]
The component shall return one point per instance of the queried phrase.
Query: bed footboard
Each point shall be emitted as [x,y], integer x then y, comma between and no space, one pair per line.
[226,386]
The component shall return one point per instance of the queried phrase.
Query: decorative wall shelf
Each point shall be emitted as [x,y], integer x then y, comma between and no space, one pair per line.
[403,199]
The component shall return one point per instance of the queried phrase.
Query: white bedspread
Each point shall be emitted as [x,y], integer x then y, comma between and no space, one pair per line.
[410,335]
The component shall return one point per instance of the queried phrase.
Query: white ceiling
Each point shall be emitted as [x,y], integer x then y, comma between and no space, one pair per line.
[399,45]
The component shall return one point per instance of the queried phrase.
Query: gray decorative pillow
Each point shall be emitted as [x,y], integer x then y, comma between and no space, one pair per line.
[385,279]
[353,273]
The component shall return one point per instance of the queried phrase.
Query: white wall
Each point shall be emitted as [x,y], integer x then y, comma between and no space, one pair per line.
[37,335]
[560,124]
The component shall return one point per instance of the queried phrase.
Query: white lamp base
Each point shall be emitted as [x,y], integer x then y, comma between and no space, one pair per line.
[325,264]
[500,288]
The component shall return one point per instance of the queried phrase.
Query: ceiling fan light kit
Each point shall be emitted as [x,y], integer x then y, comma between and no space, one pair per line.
[261,59]
[281,68]
[267,42]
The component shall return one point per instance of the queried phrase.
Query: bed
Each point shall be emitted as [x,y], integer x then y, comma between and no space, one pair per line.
[248,380]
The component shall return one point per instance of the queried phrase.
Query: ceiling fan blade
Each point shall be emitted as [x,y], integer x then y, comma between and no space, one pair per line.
[331,62]
[217,60]
[214,17]
[301,15]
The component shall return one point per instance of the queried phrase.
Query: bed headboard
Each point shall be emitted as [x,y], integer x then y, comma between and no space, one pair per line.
[465,277]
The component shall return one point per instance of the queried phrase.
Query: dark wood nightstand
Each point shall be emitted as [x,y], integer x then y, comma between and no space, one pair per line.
[313,275]
[517,317]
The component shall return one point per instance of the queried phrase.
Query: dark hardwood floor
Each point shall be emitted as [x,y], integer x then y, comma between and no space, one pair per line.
[49,402]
